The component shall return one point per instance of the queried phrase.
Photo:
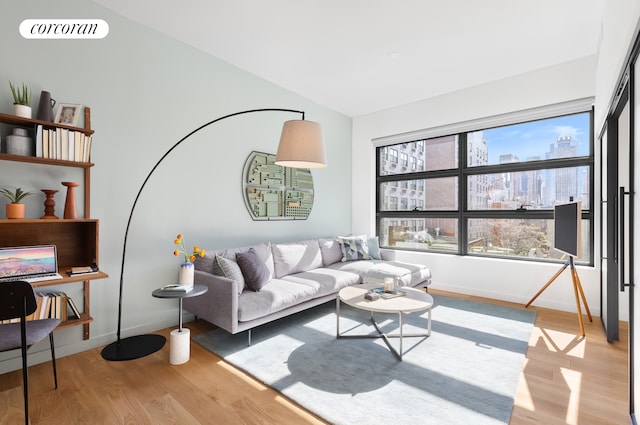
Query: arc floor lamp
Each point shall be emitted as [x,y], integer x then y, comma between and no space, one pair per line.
[301,146]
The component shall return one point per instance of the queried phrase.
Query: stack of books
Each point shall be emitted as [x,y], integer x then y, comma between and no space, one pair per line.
[52,305]
[62,143]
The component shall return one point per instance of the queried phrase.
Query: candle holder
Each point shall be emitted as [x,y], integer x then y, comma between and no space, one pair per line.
[49,204]
[70,204]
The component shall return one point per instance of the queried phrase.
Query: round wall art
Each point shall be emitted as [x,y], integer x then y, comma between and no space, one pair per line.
[273,192]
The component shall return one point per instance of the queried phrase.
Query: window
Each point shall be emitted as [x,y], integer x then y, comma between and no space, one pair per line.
[489,192]
[404,159]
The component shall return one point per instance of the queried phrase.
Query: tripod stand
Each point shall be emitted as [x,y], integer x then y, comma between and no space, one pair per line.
[577,287]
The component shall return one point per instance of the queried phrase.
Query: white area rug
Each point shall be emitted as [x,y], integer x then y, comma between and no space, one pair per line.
[465,373]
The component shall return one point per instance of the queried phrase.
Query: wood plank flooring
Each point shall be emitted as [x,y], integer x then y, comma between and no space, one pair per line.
[566,380]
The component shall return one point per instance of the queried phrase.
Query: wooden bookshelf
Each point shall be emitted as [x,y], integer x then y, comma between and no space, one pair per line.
[77,240]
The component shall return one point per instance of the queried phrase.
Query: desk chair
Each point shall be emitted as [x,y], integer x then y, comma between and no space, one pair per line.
[17,301]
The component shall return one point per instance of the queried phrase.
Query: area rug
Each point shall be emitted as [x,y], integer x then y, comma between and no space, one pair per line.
[465,373]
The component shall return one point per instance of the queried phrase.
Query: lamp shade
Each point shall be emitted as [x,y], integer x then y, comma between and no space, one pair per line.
[301,145]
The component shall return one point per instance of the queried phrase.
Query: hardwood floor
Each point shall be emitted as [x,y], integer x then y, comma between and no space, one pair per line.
[566,379]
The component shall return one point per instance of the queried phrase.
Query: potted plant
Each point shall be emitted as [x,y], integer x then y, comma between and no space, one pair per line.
[21,100]
[15,209]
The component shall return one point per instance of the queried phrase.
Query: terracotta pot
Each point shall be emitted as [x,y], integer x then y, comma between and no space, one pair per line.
[15,211]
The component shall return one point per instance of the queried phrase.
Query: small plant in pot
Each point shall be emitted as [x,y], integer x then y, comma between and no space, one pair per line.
[15,209]
[21,100]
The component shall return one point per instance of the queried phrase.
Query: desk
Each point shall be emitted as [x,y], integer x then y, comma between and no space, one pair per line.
[180,338]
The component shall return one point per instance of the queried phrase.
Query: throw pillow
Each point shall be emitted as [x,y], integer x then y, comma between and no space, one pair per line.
[374,248]
[290,258]
[331,251]
[354,248]
[228,268]
[255,272]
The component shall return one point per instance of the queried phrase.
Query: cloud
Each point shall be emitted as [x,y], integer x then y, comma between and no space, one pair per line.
[566,130]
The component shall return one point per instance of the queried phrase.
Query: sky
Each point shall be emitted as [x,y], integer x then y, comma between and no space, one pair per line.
[534,138]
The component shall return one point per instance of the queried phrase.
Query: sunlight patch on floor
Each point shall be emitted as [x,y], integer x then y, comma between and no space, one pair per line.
[574,383]
[561,342]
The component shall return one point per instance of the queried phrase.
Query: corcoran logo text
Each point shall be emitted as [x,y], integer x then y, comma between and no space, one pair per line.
[64,28]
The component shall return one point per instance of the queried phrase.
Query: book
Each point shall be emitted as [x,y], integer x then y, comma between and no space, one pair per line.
[58,143]
[73,307]
[64,146]
[87,148]
[72,146]
[175,288]
[78,146]
[45,143]
[39,147]
[74,271]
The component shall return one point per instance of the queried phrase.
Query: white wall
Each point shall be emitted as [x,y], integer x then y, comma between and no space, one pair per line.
[510,280]
[619,25]
[146,92]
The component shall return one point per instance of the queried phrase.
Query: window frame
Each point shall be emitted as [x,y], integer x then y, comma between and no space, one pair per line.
[463,171]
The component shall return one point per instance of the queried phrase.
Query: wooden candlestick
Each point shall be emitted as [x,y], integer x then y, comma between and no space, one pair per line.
[49,203]
[70,204]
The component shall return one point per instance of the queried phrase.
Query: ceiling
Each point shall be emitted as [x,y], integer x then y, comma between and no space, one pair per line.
[363,56]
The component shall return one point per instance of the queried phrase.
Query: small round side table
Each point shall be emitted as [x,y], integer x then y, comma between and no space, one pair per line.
[180,340]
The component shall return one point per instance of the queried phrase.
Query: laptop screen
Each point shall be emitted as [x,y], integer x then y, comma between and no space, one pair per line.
[28,261]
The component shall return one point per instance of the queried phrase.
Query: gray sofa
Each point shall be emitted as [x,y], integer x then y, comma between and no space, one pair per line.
[291,277]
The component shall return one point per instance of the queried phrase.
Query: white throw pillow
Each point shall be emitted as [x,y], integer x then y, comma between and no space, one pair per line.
[289,258]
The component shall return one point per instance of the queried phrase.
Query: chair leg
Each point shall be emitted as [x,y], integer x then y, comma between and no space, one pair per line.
[53,361]
[25,374]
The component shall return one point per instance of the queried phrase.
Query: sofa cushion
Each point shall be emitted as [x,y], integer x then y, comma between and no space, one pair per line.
[295,257]
[324,280]
[230,269]
[409,274]
[354,247]
[277,295]
[330,250]
[255,272]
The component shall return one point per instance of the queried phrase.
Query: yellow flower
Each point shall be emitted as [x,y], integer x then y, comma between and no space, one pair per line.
[188,256]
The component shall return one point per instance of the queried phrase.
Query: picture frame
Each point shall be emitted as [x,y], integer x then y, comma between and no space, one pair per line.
[68,114]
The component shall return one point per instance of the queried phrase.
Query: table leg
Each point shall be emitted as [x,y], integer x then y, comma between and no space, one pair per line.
[338,317]
[180,315]
[401,334]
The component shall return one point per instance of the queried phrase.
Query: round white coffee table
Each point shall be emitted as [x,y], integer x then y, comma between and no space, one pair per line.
[414,300]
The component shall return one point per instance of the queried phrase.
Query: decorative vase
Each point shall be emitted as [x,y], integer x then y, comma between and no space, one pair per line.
[19,143]
[45,107]
[70,204]
[23,111]
[185,276]
[49,204]
[15,211]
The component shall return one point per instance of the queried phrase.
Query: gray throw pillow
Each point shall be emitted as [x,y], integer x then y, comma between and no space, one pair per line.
[255,272]
[374,248]
[228,268]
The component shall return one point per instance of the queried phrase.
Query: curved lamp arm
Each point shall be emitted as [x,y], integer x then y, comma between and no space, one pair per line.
[143,345]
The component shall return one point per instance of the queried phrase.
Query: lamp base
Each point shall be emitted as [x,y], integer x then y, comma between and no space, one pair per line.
[133,347]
